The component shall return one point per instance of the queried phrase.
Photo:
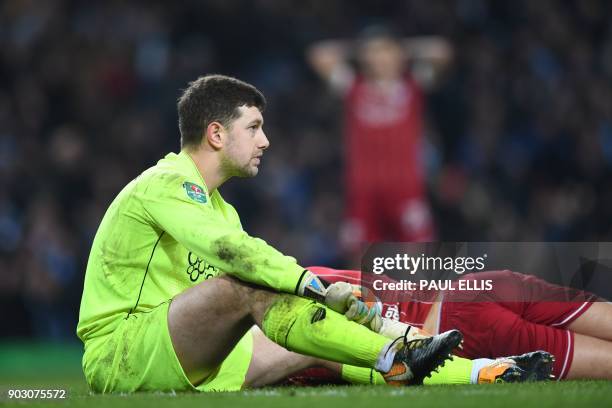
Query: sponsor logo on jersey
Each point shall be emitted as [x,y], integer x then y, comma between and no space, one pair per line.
[195,192]
[197,267]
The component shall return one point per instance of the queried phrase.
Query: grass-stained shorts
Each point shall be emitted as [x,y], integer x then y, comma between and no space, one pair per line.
[139,356]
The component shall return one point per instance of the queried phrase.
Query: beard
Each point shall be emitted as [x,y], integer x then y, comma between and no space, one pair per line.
[231,168]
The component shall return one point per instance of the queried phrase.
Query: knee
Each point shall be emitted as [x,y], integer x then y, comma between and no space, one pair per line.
[244,297]
[221,296]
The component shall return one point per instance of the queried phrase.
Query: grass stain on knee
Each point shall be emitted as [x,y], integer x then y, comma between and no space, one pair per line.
[286,304]
[280,317]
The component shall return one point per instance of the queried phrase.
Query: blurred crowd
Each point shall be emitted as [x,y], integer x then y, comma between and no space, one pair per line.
[518,131]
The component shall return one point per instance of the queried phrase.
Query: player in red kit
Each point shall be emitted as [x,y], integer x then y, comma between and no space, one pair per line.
[577,331]
[383,127]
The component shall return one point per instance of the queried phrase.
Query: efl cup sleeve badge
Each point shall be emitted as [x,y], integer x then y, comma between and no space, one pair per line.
[195,192]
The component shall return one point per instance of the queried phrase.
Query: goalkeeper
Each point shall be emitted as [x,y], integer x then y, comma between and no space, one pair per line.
[173,283]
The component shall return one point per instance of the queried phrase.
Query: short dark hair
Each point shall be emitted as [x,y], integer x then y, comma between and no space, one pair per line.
[378,32]
[213,98]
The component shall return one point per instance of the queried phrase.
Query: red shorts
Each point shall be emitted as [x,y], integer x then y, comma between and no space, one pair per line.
[387,217]
[495,328]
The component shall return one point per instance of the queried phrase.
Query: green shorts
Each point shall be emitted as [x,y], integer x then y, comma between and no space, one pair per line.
[139,356]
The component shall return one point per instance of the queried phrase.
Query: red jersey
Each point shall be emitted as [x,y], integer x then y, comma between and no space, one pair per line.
[492,323]
[383,126]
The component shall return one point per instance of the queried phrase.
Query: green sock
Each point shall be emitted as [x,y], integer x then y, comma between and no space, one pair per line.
[458,371]
[361,375]
[307,327]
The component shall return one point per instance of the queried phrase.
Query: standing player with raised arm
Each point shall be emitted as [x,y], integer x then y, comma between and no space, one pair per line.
[173,283]
[383,130]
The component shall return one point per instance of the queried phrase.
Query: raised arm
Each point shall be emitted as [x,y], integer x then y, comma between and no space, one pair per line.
[329,59]
[430,56]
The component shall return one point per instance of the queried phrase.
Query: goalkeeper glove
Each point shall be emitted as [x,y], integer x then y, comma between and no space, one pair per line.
[347,299]
[344,298]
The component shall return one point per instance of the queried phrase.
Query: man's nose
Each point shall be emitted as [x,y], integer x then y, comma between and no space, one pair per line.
[265,143]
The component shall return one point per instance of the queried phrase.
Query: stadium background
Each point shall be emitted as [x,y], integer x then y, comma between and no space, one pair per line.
[519,130]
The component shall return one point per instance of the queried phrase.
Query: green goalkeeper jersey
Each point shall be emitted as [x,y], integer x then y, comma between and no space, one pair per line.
[162,234]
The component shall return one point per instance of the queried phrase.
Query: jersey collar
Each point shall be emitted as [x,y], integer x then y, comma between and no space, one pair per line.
[187,163]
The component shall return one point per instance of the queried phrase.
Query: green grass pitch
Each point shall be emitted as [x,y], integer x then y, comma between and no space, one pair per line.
[45,367]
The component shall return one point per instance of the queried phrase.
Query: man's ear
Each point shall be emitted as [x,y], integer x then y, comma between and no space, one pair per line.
[214,136]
